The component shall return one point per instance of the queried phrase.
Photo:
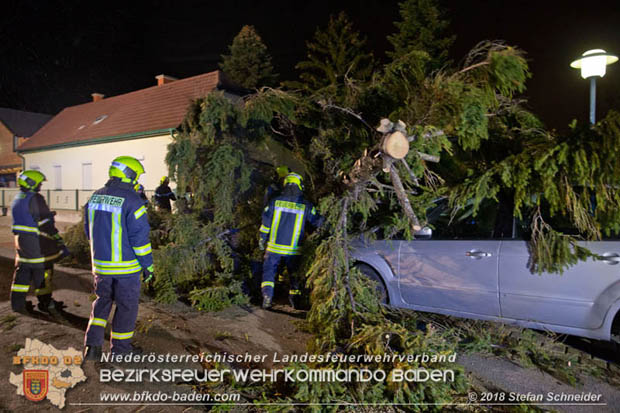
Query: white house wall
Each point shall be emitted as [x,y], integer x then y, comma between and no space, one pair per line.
[67,168]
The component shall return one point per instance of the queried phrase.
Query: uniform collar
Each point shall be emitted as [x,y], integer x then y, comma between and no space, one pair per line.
[117,183]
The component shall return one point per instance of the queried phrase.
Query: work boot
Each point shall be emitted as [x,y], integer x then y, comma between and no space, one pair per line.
[294,301]
[133,349]
[27,309]
[267,304]
[92,353]
[54,307]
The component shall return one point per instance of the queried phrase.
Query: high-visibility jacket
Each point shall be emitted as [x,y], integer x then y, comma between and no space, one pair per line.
[116,225]
[37,239]
[284,221]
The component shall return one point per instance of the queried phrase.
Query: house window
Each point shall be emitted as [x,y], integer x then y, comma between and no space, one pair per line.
[57,177]
[87,176]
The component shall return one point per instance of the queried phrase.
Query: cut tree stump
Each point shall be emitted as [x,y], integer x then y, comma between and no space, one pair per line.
[396,145]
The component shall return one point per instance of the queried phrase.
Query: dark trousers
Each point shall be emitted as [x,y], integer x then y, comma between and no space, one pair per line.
[271,263]
[125,292]
[24,276]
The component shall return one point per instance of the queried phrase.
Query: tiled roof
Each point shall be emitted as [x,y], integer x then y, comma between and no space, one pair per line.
[150,109]
[23,124]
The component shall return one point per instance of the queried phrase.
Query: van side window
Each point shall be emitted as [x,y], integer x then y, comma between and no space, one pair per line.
[463,225]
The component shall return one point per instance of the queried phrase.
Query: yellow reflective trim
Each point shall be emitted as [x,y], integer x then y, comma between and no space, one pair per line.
[119,264]
[98,322]
[47,288]
[282,251]
[290,205]
[116,238]
[43,221]
[39,260]
[274,224]
[296,232]
[267,284]
[31,260]
[46,235]
[294,292]
[24,228]
[264,229]
[43,291]
[22,288]
[143,250]
[139,212]
[104,271]
[281,247]
[91,224]
[121,336]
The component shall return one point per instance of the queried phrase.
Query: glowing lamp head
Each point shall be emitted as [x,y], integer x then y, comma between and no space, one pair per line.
[594,63]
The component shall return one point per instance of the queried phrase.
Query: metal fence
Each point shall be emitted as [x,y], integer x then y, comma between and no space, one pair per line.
[67,199]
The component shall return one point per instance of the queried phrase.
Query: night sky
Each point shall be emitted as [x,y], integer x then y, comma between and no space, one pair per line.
[56,53]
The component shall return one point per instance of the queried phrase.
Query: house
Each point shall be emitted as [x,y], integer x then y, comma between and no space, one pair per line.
[15,125]
[74,149]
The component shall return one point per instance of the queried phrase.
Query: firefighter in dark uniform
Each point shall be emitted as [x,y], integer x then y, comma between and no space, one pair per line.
[116,224]
[163,194]
[275,188]
[284,221]
[140,190]
[38,245]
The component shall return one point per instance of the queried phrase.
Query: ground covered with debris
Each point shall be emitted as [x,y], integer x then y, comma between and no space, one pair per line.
[179,329]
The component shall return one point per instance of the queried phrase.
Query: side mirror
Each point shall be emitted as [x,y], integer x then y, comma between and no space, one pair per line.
[424,233]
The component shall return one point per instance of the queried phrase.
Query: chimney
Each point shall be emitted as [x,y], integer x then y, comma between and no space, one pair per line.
[164,79]
[97,96]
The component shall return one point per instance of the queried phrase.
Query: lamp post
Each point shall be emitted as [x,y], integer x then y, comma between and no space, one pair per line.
[593,63]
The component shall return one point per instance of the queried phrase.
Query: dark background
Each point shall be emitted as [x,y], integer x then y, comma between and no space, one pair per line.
[54,54]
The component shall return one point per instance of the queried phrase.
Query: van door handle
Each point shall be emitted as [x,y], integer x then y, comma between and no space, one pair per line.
[611,258]
[476,254]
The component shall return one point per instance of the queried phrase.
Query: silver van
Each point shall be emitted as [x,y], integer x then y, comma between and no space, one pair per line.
[480,274]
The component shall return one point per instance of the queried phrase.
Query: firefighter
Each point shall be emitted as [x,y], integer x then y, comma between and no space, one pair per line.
[116,224]
[163,194]
[275,188]
[284,221]
[38,245]
[140,190]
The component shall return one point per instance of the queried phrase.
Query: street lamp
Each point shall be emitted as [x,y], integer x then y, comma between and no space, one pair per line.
[592,64]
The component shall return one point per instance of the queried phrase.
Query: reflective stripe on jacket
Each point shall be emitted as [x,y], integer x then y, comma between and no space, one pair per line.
[284,220]
[116,225]
[23,221]
[36,237]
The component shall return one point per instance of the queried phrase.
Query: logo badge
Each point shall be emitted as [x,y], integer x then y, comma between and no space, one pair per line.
[35,384]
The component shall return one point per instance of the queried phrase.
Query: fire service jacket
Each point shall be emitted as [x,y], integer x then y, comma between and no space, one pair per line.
[284,221]
[37,240]
[116,225]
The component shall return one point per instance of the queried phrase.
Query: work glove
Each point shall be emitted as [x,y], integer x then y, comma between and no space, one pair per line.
[59,241]
[65,251]
[261,244]
[148,276]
